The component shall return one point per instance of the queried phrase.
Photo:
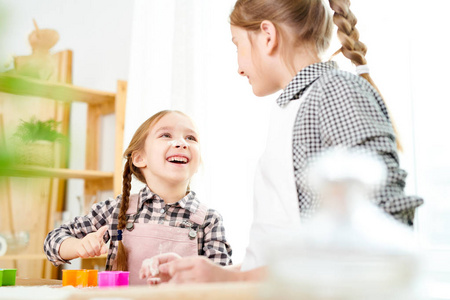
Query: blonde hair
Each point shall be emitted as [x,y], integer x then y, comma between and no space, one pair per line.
[137,143]
[312,22]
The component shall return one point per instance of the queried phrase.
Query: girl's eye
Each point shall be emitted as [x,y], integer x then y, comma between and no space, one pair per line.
[191,138]
[165,135]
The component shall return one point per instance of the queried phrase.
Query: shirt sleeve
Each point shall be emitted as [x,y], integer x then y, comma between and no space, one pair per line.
[215,245]
[99,215]
[352,114]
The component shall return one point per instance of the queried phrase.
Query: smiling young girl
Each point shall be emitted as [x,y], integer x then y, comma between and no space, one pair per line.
[165,216]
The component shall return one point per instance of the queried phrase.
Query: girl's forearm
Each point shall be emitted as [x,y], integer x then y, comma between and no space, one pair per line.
[234,267]
[67,249]
[257,274]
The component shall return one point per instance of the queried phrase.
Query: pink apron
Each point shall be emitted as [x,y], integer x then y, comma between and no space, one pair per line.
[149,239]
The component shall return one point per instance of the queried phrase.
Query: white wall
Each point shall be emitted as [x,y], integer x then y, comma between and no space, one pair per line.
[430,99]
[407,54]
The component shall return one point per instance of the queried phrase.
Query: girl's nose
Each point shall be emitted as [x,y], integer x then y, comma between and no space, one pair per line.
[181,143]
[240,72]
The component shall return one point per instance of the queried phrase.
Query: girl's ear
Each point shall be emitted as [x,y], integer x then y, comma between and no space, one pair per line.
[269,36]
[139,160]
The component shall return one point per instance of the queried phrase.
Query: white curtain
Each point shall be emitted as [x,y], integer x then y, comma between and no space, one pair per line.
[182,58]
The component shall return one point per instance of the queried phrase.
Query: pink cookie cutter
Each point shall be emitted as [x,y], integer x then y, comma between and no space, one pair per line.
[113,278]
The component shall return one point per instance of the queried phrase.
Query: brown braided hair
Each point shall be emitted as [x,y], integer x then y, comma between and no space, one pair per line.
[352,48]
[137,143]
[312,22]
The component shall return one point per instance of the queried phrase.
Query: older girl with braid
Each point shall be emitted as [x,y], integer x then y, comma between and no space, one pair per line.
[279,47]
[165,216]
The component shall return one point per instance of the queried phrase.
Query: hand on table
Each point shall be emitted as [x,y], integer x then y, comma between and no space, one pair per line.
[195,269]
[150,268]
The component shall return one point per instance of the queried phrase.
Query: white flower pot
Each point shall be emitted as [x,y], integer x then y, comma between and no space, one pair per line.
[39,153]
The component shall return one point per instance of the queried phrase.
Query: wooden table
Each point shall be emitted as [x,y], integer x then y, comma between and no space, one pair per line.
[34,288]
[216,291]
[44,289]
[37,282]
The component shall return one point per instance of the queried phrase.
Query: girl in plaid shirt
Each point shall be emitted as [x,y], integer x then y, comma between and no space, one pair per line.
[279,44]
[164,217]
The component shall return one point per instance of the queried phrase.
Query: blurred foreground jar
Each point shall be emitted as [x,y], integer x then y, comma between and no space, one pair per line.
[350,249]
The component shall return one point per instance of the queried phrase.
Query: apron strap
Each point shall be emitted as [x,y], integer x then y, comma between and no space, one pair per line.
[133,202]
[199,216]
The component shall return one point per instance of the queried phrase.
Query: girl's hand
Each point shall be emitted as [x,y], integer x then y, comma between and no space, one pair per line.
[197,269]
[150,267]
[92,245]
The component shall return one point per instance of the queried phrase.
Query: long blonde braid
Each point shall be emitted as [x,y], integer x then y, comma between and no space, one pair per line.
[352,48]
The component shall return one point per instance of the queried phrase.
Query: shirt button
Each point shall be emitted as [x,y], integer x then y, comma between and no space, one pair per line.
[162,210]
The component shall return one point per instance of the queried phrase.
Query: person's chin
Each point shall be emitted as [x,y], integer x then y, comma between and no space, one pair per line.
[263,92]
[178,177]
[258,92]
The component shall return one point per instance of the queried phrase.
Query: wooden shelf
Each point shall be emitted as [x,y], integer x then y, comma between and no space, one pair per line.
[19,85]
[34,171]
[23,257]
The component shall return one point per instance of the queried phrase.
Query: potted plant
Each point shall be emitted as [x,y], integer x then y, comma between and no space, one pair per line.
[36,141]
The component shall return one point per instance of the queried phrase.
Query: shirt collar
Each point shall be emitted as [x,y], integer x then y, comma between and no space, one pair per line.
[304,78]
[189,202]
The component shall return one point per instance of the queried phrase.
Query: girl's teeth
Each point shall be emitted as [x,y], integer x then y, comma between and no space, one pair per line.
[178,159]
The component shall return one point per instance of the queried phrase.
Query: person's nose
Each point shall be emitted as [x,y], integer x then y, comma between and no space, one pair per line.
[240,71]
[181,143]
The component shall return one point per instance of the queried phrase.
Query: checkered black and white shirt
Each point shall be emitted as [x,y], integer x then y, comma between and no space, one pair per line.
[210,235]
[343,109]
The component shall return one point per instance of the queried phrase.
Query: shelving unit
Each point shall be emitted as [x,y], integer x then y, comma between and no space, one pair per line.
[100,103]
[47,185]
[35,171]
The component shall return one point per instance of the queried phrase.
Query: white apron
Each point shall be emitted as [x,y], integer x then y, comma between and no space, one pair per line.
[275,204]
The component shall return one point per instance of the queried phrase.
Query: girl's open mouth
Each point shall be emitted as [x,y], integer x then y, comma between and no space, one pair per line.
[178,159]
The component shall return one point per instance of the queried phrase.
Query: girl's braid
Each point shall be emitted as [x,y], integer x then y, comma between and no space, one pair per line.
[347,33]
[126,188]
[352,48]
[122,257]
